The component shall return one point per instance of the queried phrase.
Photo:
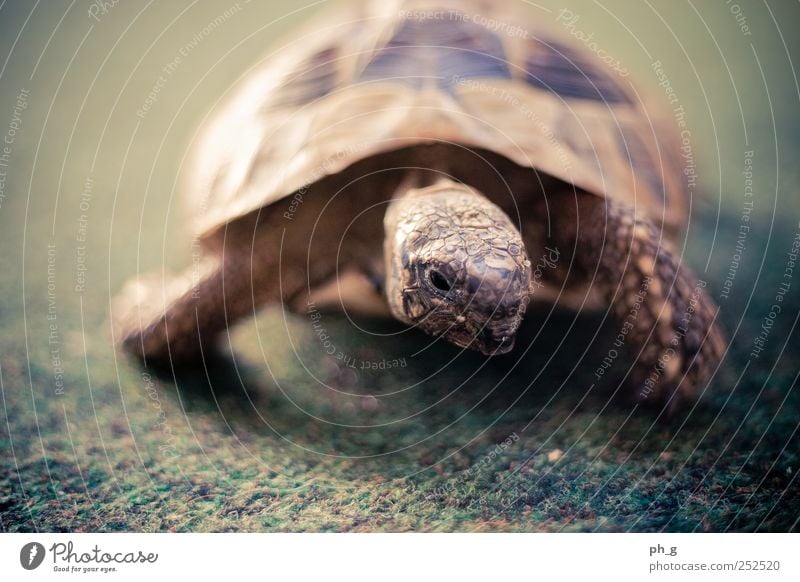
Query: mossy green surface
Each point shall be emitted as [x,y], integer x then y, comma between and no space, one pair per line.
[254,443]
[281,436]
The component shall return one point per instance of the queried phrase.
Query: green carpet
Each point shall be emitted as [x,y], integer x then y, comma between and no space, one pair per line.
[283,437]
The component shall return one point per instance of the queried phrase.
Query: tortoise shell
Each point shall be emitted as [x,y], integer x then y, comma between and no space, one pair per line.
[370,77]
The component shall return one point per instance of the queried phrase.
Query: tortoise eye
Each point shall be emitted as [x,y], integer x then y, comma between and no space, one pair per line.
[439,281]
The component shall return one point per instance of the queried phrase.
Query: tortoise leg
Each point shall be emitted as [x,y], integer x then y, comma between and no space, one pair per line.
[265,257]
[169,321]
[665,317]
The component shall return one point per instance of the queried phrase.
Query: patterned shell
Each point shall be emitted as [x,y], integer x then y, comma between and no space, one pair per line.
[369,77]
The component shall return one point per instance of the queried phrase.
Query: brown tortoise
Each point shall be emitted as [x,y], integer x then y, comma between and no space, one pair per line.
[417,158]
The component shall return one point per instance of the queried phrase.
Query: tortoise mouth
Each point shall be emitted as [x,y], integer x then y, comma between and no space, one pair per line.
[485,342]
[490,336]
[496,346]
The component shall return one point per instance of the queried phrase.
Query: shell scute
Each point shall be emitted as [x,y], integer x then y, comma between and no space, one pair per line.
[366,81]
[438,52]
[570,74]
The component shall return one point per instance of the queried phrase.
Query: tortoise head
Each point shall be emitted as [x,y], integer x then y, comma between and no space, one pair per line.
[456,267]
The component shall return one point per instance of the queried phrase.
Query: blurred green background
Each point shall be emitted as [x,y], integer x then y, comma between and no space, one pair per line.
[89,197]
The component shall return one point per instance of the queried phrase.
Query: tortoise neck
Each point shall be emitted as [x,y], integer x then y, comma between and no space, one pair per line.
[420,182]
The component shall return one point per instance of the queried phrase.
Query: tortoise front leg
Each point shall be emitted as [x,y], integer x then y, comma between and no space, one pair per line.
[170,320]
[265,257]
[663,311]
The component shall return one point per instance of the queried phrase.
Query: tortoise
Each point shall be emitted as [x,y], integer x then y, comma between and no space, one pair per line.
[439,163]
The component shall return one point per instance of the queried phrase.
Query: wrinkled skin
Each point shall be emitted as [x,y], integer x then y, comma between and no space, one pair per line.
[456,267]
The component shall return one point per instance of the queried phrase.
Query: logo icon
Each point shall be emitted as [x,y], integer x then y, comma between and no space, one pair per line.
[31,555]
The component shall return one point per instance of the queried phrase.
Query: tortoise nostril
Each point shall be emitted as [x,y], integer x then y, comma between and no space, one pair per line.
[440,281]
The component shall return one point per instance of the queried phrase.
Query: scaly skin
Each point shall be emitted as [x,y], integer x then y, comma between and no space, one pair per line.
[602,244]
[260,259]
[670,320]
[169,322]
[452,232]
